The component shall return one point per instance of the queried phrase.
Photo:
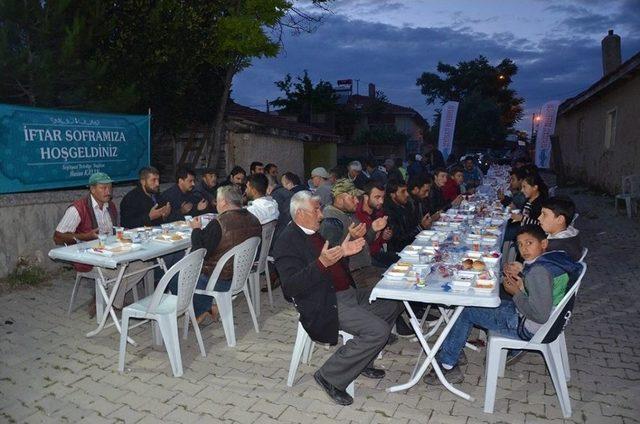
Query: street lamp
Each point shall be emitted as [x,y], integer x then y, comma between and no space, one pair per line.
[535,119]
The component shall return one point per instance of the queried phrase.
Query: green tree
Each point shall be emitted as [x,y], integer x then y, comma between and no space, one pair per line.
[302,98]
[488,107]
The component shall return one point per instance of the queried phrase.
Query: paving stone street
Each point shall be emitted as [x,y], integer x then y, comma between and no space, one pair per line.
[50,372]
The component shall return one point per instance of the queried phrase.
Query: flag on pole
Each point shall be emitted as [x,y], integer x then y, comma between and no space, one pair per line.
[546,128]
[447,128]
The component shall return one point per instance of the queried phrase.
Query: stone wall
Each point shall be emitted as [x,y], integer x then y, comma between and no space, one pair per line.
[581,132]
[28,220]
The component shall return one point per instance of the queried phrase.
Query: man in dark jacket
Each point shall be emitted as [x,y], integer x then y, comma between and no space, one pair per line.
[207,187]
[436,197]
[183,201]
[316,278]
[143,206]
[402,218]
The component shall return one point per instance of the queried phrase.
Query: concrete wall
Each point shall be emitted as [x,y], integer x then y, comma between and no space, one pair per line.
[28,220]
[318,154]
[585,158]
[244,148]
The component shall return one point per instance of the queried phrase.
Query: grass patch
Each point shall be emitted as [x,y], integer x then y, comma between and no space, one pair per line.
[26,274]
[31,276]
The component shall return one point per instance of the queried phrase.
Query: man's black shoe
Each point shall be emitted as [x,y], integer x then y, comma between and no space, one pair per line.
[338,396]
[374,373]
[402,329]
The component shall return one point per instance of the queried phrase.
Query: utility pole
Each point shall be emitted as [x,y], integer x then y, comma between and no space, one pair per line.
[267,102]
[357,86]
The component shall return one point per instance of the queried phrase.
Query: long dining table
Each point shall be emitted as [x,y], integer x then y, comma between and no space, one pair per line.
[431,270]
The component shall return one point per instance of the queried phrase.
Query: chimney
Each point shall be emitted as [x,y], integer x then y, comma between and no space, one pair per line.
[611,56]
[372,91]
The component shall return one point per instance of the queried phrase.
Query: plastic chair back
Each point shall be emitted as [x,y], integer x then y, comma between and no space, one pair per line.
[188,270]
[268,230]
[585,250]
[561,314]
[243,257]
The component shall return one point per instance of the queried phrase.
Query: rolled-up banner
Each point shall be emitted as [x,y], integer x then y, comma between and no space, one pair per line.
[447,128]
[546,128]
[48,148]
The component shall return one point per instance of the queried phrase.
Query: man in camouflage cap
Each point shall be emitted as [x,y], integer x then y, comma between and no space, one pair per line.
[340,220]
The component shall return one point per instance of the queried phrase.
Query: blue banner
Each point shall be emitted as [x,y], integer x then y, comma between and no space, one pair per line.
[48,148]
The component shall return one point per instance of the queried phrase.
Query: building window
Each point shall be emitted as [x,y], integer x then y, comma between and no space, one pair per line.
[580,138]
[610,129]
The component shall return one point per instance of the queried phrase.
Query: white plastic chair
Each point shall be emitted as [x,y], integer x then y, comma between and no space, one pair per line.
[552,350]
[302,351]
[89,275]
[243,257]
[630,192]
[262,266]
[166,308]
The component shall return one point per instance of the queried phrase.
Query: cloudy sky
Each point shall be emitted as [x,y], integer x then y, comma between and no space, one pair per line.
[556,45]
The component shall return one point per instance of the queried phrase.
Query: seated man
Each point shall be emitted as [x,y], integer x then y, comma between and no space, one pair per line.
[232,226]
[183,202]
[272,170]
[316,278]
[419,188]
[355,174]
[236,179]
[321,185]
[282,196]
[262,206]
[436,196]
[472,174]
[292,182]
[517,198]
[555,219]
[340,222]
[256,168]
[536,287]
[368,210]
[143,205]
[85,219]
[454,185]
[402,219]
[206,189]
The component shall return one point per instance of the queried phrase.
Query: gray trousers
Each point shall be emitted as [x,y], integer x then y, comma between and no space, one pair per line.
[370,324]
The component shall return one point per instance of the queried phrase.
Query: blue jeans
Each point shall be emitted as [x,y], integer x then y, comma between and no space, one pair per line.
[503,319]
[202,303]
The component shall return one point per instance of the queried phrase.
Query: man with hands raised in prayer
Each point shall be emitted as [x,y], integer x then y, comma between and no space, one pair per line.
[316,278]
[340,221]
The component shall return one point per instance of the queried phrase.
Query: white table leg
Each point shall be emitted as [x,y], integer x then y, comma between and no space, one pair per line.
[108,308]
[431,353]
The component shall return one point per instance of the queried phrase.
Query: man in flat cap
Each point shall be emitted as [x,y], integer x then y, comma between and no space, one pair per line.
[340,220]
[89,216]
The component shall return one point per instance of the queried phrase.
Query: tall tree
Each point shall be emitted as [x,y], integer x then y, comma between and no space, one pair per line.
[488,107]
[302,98]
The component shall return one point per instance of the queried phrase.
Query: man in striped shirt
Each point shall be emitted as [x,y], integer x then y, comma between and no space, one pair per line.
[89,216]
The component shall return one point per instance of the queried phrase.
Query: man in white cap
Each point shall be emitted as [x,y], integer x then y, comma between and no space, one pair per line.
[355,174]
[416,168]
[321,187]
[392,171]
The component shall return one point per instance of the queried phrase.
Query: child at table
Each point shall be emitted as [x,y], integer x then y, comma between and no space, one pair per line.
[555,219]
[535,286]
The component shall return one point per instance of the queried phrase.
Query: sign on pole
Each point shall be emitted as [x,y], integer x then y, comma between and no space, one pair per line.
[447,128]
[546,128]
[47,148]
